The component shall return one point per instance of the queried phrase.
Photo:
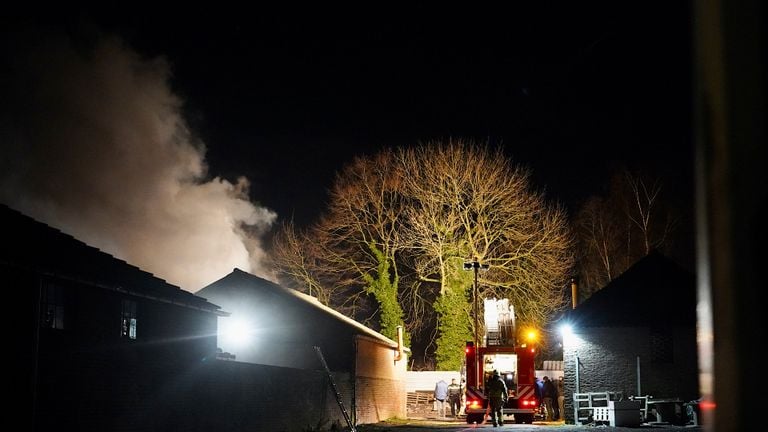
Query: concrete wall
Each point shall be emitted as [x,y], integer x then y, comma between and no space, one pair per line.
[608,362]
[426,380]
[233,396]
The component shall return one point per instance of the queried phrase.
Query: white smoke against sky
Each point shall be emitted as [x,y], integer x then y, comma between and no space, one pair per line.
[94,144]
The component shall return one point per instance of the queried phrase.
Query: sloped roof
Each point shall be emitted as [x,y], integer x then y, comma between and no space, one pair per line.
[239,281]
[35,246]
[655,291]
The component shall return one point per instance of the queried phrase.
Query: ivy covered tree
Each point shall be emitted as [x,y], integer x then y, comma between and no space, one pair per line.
[355,244]
[468,201]
[417,215]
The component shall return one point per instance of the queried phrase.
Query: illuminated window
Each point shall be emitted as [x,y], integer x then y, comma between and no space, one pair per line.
[52,306]
[128,320]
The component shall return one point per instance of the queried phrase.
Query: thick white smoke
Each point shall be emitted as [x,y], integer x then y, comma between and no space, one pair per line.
[93,143]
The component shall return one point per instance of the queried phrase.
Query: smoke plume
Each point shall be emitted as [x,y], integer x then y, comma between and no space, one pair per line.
[93,142]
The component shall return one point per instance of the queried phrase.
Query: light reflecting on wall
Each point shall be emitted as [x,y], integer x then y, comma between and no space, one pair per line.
[236,333]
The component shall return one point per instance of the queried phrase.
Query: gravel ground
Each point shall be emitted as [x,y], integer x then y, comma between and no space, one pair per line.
[421,425]
[421,418]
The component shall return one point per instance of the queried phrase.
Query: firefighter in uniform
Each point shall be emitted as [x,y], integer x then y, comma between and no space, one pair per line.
[497,396]
[454,397]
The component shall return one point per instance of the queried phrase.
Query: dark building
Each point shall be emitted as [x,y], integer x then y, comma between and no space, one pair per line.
[642,325]
[98,344]
[280,327]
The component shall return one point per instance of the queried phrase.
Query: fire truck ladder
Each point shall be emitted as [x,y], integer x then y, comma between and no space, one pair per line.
[499,322]
[335,389]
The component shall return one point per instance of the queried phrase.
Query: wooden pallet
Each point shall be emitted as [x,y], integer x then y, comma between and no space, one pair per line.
[420,397]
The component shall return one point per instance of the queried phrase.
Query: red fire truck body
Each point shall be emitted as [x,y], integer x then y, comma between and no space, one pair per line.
[515,364]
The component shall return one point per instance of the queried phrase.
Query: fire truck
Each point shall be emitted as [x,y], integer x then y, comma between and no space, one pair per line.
[514,362]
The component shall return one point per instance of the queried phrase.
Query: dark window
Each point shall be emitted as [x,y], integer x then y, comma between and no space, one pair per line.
[662,345]
[53,306]
[128,319]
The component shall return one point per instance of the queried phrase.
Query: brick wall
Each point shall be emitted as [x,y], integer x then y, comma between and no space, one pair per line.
[608,362]
[380,392]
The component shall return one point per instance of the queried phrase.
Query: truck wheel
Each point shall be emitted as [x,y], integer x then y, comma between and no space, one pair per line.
[474,418]
[523,418]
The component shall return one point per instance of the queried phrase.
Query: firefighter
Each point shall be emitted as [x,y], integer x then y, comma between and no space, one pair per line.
[539,388]
[497,396]
[549,396]
[454,397]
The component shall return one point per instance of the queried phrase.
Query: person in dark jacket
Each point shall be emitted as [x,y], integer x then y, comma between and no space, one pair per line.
[454,397]
[549,396]
[555,406]
[538,388]
[497,396]
[560,400]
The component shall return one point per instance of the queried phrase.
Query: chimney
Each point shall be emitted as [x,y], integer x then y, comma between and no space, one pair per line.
[574,293]
[399,354]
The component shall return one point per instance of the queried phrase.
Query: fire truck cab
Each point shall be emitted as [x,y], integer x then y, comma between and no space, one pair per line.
[515,364]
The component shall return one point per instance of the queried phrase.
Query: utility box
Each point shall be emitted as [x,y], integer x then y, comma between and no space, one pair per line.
[624,413]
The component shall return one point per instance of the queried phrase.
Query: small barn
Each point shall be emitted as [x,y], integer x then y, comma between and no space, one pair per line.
[97,344]
[635,337]
[276,326]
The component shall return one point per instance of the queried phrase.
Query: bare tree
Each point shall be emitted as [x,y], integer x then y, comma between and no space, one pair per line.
[601,235]
[643,212]
[299,262]
[360,233]
[616,230]
[466,202]
[400,225]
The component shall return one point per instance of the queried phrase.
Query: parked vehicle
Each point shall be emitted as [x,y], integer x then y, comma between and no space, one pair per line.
[514,362]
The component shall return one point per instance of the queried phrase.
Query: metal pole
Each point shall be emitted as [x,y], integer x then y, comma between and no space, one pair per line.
[638,376]
[577,375]
[476,265]
[574,293]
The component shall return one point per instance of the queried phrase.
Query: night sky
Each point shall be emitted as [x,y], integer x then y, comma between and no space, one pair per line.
[568,93]
[286,97]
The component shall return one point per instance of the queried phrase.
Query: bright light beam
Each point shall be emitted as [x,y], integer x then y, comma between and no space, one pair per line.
[236,332]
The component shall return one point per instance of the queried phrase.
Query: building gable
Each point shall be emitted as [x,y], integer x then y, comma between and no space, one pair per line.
[655,291]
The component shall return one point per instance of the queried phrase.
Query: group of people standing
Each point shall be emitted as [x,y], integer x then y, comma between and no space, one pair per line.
[450,395]
[550,396]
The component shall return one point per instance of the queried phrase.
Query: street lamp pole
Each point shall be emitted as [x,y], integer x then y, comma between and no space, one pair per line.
[475,265]
[475,296]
